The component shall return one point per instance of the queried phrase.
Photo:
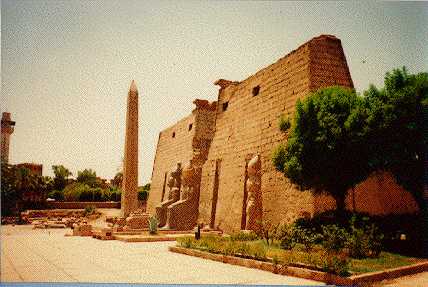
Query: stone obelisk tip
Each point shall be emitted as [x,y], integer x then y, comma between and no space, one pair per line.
[133,87]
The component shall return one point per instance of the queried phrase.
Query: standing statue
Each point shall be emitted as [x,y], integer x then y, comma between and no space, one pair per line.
[174,184]
[254,203]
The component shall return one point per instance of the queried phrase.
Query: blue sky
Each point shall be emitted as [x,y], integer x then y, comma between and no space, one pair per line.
[67,65]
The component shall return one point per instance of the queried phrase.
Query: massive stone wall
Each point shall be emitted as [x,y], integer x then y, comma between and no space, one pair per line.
[174,145]
[249,126]
[186,140]
[243,123]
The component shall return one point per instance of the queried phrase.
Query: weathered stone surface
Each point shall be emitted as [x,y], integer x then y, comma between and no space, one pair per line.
[244,122]
[189,139]
[129,200]
[82,230]
[183,214]
[137,220]
[254,210]
[7,127]
[174,183]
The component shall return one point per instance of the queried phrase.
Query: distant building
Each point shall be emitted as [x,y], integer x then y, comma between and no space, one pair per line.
[7,126]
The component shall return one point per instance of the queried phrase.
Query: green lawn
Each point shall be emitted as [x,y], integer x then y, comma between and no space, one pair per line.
[316,258]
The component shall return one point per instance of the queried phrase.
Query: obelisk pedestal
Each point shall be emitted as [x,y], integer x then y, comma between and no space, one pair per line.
[130,162]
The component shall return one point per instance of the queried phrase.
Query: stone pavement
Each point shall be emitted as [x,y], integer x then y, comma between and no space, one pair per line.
[47,256]
[416,280]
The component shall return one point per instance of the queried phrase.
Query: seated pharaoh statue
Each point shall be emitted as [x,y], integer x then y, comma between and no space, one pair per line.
[183,214]
[174,183]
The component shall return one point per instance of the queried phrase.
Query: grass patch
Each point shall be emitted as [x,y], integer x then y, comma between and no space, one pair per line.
[316,259]
[385,260]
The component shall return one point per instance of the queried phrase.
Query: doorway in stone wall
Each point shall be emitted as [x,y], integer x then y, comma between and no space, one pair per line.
[215,192]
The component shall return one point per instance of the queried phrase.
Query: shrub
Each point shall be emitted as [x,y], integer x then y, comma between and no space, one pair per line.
[306,237]
[72,191]
[334,264]
[115,195]
[365,240]
[58,195]
[243,236]
[143,192]
[267,230]
[285,235]
[106,195]
[153,225]
[331,217]
[85,195]
[97,194]
[333,238]
[89,210]
[143,195]
[284,123]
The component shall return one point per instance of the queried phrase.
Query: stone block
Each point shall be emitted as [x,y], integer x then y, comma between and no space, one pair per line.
[82,230]
[138,221]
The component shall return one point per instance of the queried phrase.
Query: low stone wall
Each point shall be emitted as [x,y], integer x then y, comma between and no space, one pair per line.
[82,204]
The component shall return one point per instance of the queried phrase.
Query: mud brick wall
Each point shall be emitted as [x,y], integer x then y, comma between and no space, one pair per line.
[249,125]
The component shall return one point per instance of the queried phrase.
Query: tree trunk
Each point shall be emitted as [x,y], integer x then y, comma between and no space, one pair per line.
[339,197]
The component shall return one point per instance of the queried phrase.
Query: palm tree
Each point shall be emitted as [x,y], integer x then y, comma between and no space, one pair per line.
[117,180]
[61,176]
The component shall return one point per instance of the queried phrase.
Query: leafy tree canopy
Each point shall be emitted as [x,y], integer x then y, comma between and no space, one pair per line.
[337,138]
[87,176]
[61,175]
[396,128]
[117,180]
[323,151]
[143,192]
[16,181]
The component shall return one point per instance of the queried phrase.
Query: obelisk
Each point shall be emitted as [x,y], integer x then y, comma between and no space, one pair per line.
[130,162]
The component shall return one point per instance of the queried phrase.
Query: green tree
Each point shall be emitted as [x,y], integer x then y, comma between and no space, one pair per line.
[15,182]
[397,133]
[323,150]
[9,193]
[117,180]
[87,176]
[396,129]
[76,190]
[61,175]
[143,192]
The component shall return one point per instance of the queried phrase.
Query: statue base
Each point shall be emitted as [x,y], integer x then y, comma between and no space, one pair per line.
[137,220]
